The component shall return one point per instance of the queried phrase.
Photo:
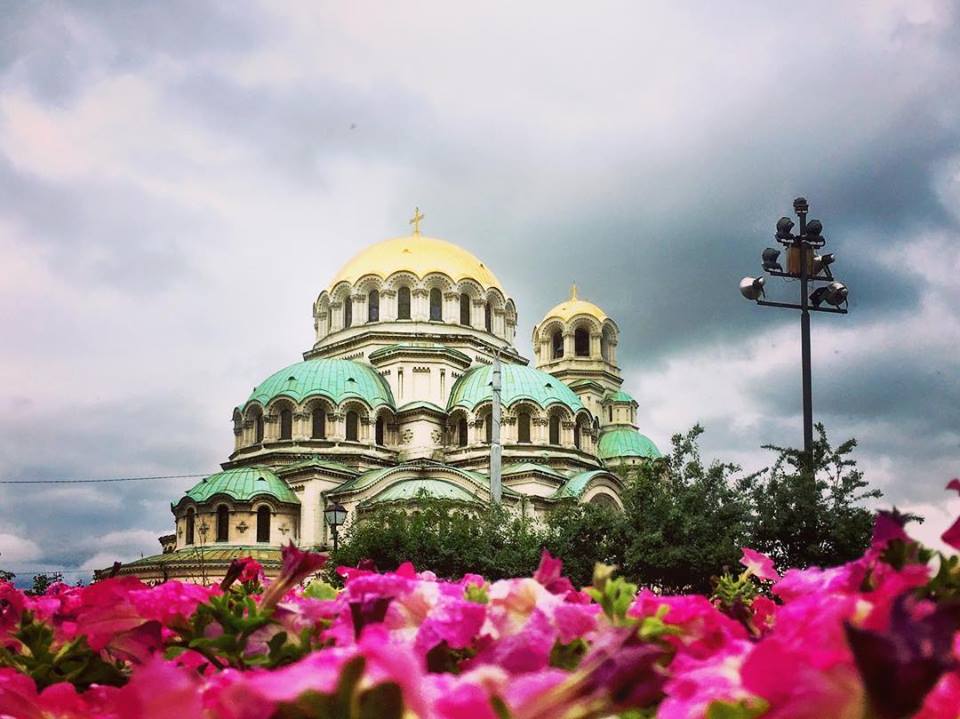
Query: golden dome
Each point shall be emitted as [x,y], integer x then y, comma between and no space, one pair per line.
[575,306]
[419,255]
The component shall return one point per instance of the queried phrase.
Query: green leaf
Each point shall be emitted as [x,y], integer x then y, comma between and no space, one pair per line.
[384,701]
[320,590]
[743,709]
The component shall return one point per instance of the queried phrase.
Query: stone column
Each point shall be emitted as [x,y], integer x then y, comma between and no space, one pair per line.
[568,345]
[594,345]
[388,305]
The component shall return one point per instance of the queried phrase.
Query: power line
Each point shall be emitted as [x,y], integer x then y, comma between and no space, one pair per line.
[97,481]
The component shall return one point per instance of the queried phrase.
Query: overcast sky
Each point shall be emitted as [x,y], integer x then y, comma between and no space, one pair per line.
[179,180]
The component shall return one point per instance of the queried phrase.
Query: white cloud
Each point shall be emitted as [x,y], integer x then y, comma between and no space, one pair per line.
[14,548]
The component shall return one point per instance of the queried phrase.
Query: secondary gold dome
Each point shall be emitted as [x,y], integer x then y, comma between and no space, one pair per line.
[575,306]
[419,255]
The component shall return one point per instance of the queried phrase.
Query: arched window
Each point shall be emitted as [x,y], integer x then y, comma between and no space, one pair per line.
[465,309]
[581,343]
[576,435]
[554,429]
[286,424]
[347,312]
[353,426]
[523,427]
[373,306]
[258,429]
[223,523]
[403,303]
[263,524]
[319,420]
[488,428]
[436,305]
[378,432]
[191,525]
[462,432]
[487,317]
[557,344]
[610,413]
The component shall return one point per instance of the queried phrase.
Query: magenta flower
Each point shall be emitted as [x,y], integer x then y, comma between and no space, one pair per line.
[759,565]
[297,566]
[549,574]
[952,535]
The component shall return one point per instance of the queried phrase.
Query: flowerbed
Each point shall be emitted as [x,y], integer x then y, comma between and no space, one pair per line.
[877,638]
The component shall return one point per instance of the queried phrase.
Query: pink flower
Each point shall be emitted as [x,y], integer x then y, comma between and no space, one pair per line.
[952,535]
[764,611]
[705,629]
[160,690]
[697,683]
[549,574]
[297,566]
[452,620]
[12,604]
[759,565]
[172,602]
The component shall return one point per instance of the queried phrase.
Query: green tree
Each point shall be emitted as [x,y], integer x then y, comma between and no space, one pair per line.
[446,538]
[6,576]
[684,521]
[42,581]
[582,535]
[805,518]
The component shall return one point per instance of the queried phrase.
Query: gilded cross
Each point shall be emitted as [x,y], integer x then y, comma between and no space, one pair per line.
[573,291]
[415,221]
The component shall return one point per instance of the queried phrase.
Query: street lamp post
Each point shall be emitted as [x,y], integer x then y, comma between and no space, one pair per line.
[805,264]
[335,514]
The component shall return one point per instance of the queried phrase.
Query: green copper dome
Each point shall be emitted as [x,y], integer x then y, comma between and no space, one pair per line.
[243,484]
[517,382]
[626,442]
[333,379]
[619,396]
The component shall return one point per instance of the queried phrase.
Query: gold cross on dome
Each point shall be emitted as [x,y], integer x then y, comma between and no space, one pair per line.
[415,221]
[573,291]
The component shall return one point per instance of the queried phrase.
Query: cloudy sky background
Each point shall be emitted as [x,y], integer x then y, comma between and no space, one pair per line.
[179,180]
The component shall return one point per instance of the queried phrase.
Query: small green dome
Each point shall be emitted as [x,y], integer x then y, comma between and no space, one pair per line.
[517,383]
[619,396]
[243,484]
[411,489]
[626,442]
[333,379]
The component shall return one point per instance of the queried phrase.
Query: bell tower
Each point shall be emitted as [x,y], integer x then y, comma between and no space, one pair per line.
[576,342]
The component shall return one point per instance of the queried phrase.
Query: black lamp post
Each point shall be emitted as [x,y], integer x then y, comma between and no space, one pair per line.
[336,515]
[805,264]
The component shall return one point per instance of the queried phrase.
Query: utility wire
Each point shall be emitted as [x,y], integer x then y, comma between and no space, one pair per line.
[97,481]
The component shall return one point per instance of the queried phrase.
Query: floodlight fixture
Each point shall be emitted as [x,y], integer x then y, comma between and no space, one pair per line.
[818,295]
[836,294]
[784,225]
[769,257]
[752,287]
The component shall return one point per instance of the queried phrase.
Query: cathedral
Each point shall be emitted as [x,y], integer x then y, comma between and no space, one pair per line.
[393,401]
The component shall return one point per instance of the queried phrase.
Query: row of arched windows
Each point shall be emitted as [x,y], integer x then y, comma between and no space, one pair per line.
[318,426]
[403,308]
[523,430]
[223,524]
[581,343]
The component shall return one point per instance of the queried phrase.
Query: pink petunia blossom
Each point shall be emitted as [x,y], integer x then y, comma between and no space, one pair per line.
[952,535]
[759,565]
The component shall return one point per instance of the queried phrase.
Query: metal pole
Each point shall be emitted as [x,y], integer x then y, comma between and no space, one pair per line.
[496,451]
[335,538]
[805,337]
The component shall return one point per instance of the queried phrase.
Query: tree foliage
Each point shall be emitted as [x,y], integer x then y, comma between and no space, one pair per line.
[684,522]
